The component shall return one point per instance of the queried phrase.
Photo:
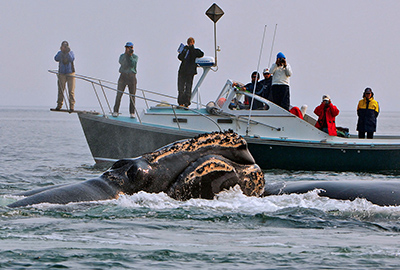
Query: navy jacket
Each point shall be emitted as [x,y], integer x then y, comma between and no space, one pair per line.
[367,111]
[188,57]
[266,83]
[259,91]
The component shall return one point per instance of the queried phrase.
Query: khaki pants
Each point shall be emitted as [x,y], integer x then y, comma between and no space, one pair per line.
[68,79]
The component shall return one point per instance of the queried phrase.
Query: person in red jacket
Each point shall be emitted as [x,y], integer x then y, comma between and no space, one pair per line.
[326,116]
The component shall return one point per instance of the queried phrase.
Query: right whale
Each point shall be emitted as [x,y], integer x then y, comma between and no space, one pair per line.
[202,167]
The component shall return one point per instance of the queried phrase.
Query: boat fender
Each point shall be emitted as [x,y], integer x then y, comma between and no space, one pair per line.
[221,102]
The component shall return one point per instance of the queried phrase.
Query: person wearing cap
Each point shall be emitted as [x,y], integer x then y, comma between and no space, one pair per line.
[266,83]
[128,62]
[186,72]
[257,105]
[326,113]
[367,111]
[66,75]
[281,72]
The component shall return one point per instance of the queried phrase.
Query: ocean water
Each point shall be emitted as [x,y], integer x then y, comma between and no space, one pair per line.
[152,231]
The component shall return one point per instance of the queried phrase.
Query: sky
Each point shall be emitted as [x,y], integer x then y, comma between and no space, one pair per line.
[334,47]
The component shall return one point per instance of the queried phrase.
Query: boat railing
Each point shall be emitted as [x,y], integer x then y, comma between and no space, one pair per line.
[145,96]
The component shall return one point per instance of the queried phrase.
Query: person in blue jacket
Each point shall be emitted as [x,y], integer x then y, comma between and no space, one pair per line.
[66,75]
[367,111]
[257,105]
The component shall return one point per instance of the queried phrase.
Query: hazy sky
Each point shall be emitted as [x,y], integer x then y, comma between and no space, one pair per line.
[334,47]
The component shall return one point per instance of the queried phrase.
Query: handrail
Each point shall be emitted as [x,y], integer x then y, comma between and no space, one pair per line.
[90,79]
[104,93]
[94,82]
[99,82]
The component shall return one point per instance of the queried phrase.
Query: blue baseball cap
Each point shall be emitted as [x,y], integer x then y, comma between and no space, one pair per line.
[281,55]
[129,44]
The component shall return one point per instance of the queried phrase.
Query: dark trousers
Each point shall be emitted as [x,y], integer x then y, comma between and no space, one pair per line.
[126,79]
[185,83]
[281,95]
[361,135]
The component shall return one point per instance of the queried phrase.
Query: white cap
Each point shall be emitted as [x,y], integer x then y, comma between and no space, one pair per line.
[326,97]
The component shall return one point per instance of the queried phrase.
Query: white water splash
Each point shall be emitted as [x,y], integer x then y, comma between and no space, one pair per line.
[234,200]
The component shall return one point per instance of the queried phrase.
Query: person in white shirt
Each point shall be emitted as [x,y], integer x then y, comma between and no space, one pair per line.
[281,72]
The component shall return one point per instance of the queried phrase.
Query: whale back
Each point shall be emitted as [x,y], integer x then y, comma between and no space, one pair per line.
[159,170]
[227,144]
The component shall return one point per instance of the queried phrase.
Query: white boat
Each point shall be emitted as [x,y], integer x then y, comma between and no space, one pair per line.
[276,138]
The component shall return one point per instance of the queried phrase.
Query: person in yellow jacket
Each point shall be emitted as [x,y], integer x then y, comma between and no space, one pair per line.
[367,111]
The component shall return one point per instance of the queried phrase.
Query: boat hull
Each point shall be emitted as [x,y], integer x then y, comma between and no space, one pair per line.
[323,157]
[110,139]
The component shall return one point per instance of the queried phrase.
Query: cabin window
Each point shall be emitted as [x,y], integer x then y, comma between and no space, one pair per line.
[242,101]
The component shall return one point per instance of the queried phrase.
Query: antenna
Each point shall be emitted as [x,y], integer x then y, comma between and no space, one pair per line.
[272,47]
[261,49]
[255,83]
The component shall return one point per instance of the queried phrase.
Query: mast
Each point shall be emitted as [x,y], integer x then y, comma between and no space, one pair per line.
[215,13]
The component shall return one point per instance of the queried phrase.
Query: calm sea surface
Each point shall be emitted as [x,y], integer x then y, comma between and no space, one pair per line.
[152,231]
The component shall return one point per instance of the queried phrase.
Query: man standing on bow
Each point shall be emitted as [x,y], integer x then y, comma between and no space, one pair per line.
[66,75]
[128,62]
